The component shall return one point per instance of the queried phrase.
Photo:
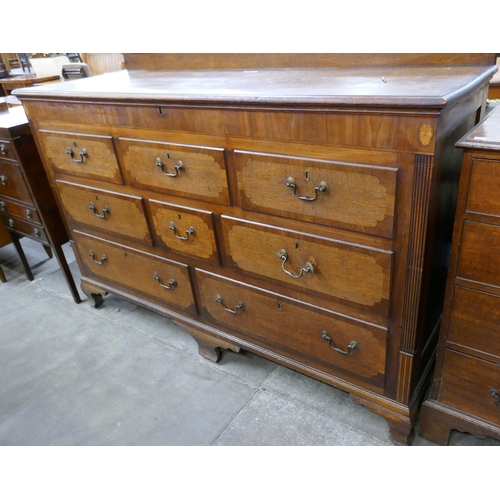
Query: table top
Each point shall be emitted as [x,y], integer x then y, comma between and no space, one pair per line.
[13,117]
[429,86]
[486,134]
[30,77]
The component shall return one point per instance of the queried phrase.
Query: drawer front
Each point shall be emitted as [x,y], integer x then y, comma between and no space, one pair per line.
[300,331]
[184,231]
[359,197]
[7,151]
[83,155]
[105,210]
[470,385]
[25,228]
[22,211]
[484,186]
[163,281]
[352,273]
[183,170]
[478,260]
[475,321]
[12,182]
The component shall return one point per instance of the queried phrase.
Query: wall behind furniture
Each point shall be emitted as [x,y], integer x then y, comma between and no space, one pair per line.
[103,63]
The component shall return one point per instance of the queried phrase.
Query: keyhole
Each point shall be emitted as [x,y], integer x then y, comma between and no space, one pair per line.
[125,253]
[160,111]
[307,175]
[96,198]
[296,245]
[75,144]
[168,155]
[279,306]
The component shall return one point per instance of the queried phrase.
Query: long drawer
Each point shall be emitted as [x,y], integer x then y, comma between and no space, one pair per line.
[108,211]
[359,197]
[335,344]
[28,212]
[163,281]
[355,274]
[471,385]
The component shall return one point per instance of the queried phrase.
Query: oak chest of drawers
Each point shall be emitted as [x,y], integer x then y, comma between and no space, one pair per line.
[27,204]
[466,389]
[291,205]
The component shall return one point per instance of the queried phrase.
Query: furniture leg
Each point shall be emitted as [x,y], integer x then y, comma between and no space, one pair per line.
[67,273]
[22,256]
[48,250]
[3,279]
[95,295]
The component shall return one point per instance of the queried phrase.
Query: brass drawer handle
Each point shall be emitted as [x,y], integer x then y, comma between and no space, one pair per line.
[171,283]
[105,211]
[353,345]
[3,180]
[83,154]
[37,232]
[309,268]
[3,149]
[496,395]
[239,305]
[28,214]
[177,168]
[322,187]
[2,206]
[190,232]
[100,262]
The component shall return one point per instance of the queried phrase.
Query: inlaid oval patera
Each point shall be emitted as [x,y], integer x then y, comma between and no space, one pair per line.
[425,134]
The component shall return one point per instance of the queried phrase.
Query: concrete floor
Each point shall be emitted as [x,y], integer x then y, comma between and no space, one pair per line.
[121,375]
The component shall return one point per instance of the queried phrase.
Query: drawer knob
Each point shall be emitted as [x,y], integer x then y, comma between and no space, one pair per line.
[177,168]
[309,267]
[3,149]
[105,211]
[3,180]
[496,395]
[353,345]
[322,187]
[28,214]
[11,223]
[2,205]
[171,283]
[83,154]
[189,232]
[100,262]
[239,306]
[37,232]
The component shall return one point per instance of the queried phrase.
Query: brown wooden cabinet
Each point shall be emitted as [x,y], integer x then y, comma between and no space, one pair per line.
[27,204]
[466,389]
[296,206]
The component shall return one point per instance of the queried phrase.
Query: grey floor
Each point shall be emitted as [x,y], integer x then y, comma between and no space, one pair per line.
[121,375]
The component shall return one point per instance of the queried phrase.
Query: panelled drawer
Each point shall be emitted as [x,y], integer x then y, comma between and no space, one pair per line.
[355,274]
[7,151]
[163,281]
[471,385]
[24,212]
[475,320]
[185,231]
[12,182]
[25,228]
[484,186]
[105,210]
[327,341]
[184,170]
[478,259]
[358,197]
[83,155]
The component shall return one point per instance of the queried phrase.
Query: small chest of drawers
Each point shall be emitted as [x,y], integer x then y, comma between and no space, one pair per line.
[466,390]
[298,212]
[28,207]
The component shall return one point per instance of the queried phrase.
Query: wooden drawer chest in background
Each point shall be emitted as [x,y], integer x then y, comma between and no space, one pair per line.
[466,389]
[296,206]
[27,204]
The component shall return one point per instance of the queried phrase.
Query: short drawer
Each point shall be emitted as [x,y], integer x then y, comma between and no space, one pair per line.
[471,385]
[478,259]
[158,280]
[475,321]
[108,211]
[25,228]
[7,151]
[484,186]
[359,197]
[22,211]
[83,155]
[184,170]
[332,343]
[12,182]
[354,274]
[184,230]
